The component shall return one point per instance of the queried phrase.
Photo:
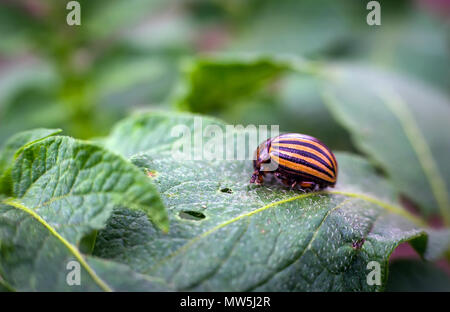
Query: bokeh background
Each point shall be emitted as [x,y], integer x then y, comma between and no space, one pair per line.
[128,54]
[131,55]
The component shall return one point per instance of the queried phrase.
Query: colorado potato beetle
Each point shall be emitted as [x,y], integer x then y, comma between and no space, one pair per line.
[299,160]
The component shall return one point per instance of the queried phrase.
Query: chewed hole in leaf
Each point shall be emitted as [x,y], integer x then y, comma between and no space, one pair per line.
[226,190]
[191,215]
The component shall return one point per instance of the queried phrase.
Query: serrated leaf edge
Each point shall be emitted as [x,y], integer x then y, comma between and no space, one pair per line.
[162,223]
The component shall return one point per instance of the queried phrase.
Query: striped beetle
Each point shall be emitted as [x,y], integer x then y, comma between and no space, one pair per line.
[300,160]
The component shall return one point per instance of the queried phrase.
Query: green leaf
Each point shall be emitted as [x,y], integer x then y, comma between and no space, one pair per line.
[141,133]
[296,105]
[63,191]
[256,89]
[13,146]
[56,176]
[19,140]
[211,83]
[229,235]
[34,257]
[402,125]
[413,275]
[438,243]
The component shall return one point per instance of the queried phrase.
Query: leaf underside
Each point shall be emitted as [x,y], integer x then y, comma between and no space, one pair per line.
[402,125]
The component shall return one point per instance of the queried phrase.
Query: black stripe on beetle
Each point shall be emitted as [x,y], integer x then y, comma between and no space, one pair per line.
[302,160]
[315,147]
[306,154]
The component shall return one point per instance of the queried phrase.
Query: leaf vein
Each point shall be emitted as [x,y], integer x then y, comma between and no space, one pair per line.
[68,245]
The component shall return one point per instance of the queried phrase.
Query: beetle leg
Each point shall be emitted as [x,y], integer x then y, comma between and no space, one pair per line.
[257,177]
[287,182]
[308,185]
[293,185]
[254,176]
[260,179]
[283,179]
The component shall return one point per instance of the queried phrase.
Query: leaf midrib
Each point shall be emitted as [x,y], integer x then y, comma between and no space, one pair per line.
[302,253]
[102,284]
[384,205]
[422,150]
[417,141]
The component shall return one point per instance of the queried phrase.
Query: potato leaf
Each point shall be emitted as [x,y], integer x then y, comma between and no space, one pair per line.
[229,235]
[402,125]
[260,89]
[36,258]
[141,133]
[212,83]
[10,149]
[63,191]
[56,176]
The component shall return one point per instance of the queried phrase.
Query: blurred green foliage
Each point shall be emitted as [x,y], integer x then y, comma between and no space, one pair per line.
[128,55]
[131,55]
[416,276]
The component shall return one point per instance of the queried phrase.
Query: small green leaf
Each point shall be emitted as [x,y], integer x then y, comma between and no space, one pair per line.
[402,125]
[258,237]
